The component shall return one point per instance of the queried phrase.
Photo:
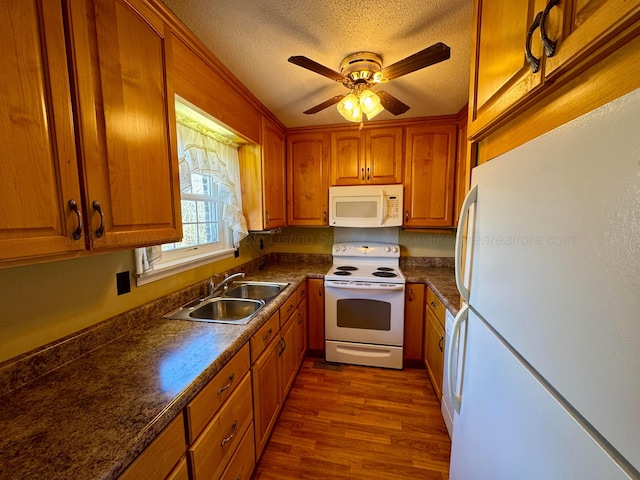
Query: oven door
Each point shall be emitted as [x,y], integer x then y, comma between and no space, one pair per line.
[364,313]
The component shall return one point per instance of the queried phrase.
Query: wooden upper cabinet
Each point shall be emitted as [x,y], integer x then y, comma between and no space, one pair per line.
[307,179]
[37,148]
[126,123]
[503,77]
[273,166]
[373,156]
[262,178]
[503,81]
[585,26]
[429,175]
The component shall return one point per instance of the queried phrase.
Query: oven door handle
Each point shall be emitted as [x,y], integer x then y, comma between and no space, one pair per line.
[370,287]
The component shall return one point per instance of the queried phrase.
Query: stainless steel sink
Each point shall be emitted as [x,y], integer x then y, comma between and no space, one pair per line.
[254,290]
[219,310]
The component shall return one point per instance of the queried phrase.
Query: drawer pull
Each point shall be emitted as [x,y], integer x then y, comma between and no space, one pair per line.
[100,230]
[410,294]
[226,440]
[226,387]
[433,304]
[299,318]
[268,335]
[440,343]
[77,233]
[534,62]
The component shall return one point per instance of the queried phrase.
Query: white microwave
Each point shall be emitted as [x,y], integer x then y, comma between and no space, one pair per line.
[365,206]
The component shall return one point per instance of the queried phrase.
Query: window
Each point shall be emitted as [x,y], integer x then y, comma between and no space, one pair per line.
[212,219]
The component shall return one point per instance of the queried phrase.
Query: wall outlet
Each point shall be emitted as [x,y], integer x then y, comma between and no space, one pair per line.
[123,283]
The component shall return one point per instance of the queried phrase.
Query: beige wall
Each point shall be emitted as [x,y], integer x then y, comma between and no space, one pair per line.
[42,303]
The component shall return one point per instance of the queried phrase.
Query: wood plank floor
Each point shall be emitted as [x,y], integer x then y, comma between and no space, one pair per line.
[361,423]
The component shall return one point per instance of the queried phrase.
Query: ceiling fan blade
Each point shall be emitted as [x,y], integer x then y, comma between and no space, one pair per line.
[325,104]
[392,104]
[429,56]
[309,64]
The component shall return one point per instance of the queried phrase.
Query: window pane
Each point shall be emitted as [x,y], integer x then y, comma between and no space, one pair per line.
[189,211]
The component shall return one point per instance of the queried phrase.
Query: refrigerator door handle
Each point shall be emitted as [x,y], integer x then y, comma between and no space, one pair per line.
[469,200]
[462,316]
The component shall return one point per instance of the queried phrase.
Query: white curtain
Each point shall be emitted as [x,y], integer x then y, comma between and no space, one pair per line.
[201,150]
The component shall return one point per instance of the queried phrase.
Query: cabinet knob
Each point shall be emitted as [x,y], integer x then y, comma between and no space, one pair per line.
[96,206]
[534,62]
[77,233]
[549,45]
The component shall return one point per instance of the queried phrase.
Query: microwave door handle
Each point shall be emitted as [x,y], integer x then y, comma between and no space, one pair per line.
[382,207]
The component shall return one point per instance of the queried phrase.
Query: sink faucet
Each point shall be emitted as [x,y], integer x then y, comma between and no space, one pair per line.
[213,288]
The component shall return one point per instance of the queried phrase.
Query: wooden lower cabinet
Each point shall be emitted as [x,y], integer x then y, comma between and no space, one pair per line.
[274,370]
[244,460]
[164,458]
[212,450]
[413,324]
[434,338]
[181,472]
[315,313]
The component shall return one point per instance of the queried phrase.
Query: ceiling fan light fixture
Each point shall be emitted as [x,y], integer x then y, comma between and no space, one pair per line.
[370,104]
[349,108]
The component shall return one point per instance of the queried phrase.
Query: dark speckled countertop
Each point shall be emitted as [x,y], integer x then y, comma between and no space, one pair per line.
[91,417]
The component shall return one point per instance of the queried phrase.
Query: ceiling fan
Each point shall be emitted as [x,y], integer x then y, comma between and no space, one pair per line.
[361,71]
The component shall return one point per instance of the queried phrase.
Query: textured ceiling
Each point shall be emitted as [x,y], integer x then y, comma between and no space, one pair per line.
[255,38]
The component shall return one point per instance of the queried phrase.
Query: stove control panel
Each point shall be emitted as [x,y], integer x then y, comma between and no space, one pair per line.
[379,250]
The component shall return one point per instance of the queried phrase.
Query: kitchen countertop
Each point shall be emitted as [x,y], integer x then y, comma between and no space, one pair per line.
[90,418]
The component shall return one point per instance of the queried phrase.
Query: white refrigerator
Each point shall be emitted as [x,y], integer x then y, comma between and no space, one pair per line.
[548,375]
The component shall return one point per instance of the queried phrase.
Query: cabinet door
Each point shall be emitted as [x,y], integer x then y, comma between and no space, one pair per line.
[413,322]
[126,120]
[301,332]
[434,352]
[308,179]
[266,394]
[37,150]
[316,315]
[429,175]
[586,25]
[288,356]
[383,155]
[273,167]
[347,158]
[503,77]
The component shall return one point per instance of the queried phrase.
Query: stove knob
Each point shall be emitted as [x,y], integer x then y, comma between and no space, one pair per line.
[344,248]
[395,249]
[336,248]
[387,249]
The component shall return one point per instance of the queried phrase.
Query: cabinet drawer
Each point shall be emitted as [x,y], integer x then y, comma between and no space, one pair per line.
[263,337]
[159,458]
[302,292]
[212,450]
[435,306]
[181,472]
[244,460]
[288,308]
[205,405]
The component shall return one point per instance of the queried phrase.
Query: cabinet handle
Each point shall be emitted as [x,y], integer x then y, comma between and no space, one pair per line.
[268,216]
[226,440]
[433,304]
[549,45]
[77,233]
[406,215]
[410,294]
[440,343]
[324,216]
[283,344]
[226,387]
[362,178]
[268,335]
[96,206]
[319,289]
[534,62]
[299,318]
[368,174]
